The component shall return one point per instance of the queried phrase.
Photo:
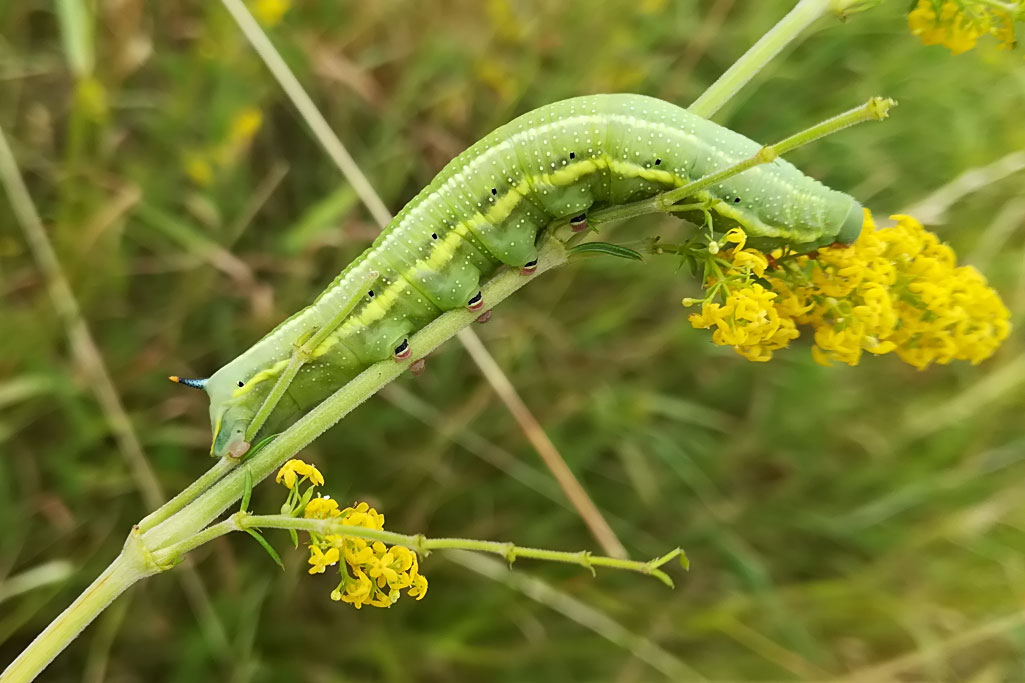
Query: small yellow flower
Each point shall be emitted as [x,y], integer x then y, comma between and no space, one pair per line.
[419,588]
[321,508]
[294,469]
[358,590]
[750,261]
[321,560]
[736,236]
[363,515]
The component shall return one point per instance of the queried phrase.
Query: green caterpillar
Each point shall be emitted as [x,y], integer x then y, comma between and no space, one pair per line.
[485,210]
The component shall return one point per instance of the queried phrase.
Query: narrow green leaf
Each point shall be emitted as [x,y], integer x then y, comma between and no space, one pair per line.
[692,263]
[260,445]
[247,492]
[266,546]
[295,538]
[606,248]
[303,502]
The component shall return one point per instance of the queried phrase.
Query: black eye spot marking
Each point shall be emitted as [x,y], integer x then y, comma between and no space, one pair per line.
[572,155]
[402,351]
[658,162]
[494,190]
[578,223]
[241,383]
[371,294]
[736,200]
[434,235]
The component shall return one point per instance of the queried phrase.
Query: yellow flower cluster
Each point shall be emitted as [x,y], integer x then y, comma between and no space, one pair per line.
[894,290]
[958,24]
[372,573]
[748,320]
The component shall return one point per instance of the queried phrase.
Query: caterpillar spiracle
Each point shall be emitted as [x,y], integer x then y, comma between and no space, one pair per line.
[485,210]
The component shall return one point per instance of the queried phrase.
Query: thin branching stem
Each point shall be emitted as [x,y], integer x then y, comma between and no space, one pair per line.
[511,552]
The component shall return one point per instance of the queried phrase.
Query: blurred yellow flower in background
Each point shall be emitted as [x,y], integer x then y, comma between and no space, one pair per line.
[201,164]
[958,24]
[270,12]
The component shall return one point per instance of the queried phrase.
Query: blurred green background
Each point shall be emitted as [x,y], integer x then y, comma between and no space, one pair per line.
[862,522]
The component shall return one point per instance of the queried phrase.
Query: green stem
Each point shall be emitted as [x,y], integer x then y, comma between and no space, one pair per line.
[130,566]
[189,494]
[804,13]
[419,543]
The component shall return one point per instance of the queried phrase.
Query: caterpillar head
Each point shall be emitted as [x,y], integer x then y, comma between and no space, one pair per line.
[850,229]
[229,417]
[231,412]
[230,422]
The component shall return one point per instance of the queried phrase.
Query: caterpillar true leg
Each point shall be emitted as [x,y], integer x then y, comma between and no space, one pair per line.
[418,366]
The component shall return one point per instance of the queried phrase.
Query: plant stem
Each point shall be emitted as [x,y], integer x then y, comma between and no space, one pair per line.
[419,543]
[131,565]
[188,494]
[761,53]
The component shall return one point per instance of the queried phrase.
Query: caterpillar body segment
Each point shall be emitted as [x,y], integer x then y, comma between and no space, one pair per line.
[485,209]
